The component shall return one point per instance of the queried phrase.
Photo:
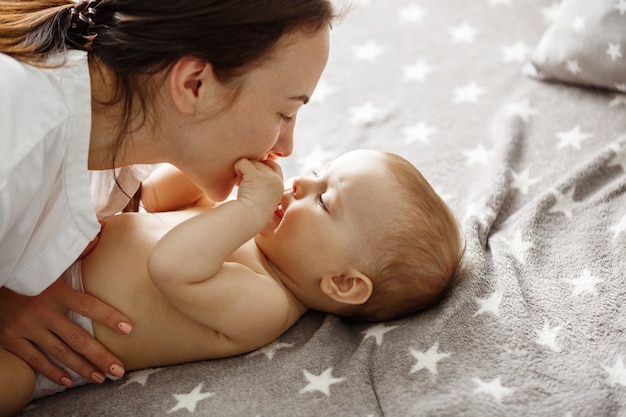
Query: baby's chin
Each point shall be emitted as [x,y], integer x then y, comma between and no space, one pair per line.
[266,239]
[258,240]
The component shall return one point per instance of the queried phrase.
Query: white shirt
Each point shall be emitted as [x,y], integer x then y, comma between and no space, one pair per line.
[47,214]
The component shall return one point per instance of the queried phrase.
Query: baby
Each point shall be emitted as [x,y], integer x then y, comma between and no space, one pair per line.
[366,238]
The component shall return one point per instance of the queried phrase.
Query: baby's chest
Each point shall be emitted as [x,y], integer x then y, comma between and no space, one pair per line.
[249,255]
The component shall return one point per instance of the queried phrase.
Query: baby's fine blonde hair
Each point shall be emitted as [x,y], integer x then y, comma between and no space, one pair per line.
[418,255]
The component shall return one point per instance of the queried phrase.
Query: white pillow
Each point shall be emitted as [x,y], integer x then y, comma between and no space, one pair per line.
[586,45]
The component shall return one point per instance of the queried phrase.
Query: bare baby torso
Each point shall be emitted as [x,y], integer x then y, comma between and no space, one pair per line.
[116,272]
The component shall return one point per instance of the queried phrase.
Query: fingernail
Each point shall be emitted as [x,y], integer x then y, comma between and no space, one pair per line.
[124,327]
[66,381]
[97,377]
[116,370]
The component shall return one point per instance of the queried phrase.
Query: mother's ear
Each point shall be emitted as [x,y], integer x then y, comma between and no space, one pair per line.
[353,288]
[191,79]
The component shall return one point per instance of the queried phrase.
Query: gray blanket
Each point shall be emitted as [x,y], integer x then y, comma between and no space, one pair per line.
[536,173]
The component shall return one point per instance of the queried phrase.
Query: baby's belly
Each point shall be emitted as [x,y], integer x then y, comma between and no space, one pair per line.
[164,337]
[116,273]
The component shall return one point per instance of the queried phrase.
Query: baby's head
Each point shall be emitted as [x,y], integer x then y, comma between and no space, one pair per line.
[418,255]
[366,238]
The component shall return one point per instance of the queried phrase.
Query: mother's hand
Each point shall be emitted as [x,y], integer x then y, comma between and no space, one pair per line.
[41,320]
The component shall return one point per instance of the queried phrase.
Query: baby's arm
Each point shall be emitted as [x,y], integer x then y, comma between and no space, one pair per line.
[168,189]
[189,264]
[17,382]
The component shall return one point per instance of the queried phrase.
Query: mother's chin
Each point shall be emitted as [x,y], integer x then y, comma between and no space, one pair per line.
[219,189]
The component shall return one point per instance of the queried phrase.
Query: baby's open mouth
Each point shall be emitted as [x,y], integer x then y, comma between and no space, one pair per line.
[279,211]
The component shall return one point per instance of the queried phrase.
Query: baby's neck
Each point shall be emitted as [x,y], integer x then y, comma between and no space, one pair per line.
[286,282]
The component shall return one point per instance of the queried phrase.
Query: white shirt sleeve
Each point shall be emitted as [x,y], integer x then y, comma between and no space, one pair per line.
[46,214]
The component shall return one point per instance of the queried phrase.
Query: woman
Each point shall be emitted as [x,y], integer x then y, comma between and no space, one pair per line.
[108,85]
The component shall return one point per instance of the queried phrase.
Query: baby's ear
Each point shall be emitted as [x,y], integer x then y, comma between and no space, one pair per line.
[353,288]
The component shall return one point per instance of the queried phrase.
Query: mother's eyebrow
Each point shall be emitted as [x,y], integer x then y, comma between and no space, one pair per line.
[303,98]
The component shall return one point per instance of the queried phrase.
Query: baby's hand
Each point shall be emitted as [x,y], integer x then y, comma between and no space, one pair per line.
[261,184]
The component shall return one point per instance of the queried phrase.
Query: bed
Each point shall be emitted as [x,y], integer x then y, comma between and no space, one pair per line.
[515,111]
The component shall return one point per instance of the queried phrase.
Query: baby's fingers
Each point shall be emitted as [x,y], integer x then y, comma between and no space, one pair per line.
[274,167]
[243,166]
[249,167]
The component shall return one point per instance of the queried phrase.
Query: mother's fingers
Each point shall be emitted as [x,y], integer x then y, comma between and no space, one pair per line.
[89,306]
[38,361]
[85,350]
[80,351]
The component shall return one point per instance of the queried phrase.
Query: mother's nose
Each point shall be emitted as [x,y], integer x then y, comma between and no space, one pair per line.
[284,144]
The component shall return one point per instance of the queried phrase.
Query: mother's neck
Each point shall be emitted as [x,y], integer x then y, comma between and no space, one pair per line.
[139,147]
